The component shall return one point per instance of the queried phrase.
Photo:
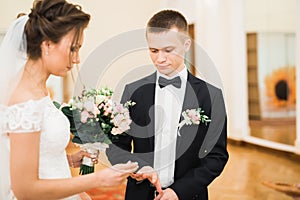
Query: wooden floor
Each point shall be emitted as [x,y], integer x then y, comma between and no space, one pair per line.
[248,167]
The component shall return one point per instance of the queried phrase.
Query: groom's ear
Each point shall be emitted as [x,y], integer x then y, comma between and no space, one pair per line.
[187,44]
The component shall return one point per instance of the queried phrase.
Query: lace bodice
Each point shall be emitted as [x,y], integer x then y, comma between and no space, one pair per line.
[41,115]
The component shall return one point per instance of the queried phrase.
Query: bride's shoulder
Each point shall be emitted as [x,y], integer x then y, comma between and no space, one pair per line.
[23,96]
[24,112]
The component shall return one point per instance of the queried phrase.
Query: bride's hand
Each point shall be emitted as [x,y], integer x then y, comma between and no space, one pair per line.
[116,174]
[75,159]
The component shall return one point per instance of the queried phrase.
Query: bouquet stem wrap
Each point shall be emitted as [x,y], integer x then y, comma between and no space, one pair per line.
[93,149]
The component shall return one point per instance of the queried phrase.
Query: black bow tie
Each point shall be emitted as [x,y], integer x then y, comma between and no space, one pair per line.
[176,82]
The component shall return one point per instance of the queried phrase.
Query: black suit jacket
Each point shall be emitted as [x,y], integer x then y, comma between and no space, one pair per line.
[201,152]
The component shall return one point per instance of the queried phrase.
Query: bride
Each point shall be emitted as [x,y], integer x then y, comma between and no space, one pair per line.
[33,133]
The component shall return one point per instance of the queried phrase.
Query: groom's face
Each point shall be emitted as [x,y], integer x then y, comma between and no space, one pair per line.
[167,51]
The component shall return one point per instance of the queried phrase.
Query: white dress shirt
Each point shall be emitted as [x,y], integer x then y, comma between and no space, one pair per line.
[168,108]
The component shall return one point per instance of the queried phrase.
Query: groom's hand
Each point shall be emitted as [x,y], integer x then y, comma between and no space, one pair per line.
[149,173]
[167,194]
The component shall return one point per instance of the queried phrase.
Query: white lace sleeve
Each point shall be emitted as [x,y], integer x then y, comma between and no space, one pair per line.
[25,117]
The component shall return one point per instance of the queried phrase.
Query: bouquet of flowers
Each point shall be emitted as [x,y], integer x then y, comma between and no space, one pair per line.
[95,121]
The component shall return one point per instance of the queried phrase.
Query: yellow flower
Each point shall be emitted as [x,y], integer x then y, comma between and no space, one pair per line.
[281,87]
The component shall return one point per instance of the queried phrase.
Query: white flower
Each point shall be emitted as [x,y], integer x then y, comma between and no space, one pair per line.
[89,105]
[96,111]
[100,99]
[78,105]
[121,122]
[118,108]
[84,115]
[70,101]
[116,131]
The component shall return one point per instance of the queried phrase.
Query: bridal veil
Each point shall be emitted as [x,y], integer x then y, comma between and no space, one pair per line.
[12,60]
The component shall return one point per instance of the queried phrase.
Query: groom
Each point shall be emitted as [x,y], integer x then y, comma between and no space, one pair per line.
[187,159]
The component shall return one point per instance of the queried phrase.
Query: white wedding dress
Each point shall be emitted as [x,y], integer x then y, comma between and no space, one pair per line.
[39,115]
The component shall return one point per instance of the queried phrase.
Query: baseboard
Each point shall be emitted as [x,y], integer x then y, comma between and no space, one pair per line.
[288,155]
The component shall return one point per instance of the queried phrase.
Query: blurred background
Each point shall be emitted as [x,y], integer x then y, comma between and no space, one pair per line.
[253,52]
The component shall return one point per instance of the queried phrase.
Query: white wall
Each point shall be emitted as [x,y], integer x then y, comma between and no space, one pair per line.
[108,19]
[270,15]
[187,8]
[10,9]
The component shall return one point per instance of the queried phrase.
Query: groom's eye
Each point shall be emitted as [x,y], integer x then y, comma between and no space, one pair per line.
[153,50]
[75,48]
[169,49]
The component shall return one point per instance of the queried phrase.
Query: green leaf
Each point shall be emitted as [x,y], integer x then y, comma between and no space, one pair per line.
[67,111]
[76,140]
[86,169]
[57,105]
[107,140]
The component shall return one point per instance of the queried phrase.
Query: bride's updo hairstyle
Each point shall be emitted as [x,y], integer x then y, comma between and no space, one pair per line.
[51,20]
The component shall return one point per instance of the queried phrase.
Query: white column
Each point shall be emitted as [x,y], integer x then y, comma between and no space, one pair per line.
[220,30]
[297,142]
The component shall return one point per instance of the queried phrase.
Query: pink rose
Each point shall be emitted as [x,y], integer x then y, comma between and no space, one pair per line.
[84,115]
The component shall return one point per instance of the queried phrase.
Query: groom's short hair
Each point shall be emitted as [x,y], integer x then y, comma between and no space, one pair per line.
[167,19]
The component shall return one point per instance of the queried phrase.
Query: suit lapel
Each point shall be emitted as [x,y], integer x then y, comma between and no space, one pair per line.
[149,100]
[190,102]
[190,98]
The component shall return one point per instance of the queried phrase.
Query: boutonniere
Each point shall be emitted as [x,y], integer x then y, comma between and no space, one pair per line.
[193,116]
